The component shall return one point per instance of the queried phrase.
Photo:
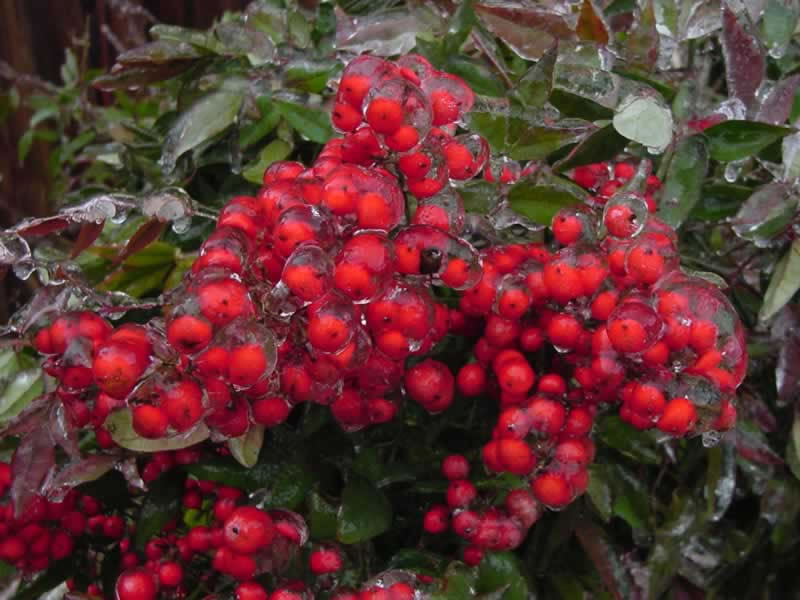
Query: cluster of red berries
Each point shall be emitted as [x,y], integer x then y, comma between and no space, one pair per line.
[318,290]
[48,529]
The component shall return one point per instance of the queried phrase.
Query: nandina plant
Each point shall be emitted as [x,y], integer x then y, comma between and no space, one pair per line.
[457,346]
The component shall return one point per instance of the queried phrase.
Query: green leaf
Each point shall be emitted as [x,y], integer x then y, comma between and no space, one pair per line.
[793,448]
[458,583]
[6,570]
[778,23]
[599,489]
[684,180]
[245,448]
[720,479]
[719,201]
[54,576]
[534,87]
[541,197]
[525,137]
[24,145]
[479,76]
[735,140]
[603,144]
[480,196]
[458,28]
[365,512]
[206,118]
[638,445]
[321,518]
[310,76]
[120,425]
[289,481]
[253,133]
[276,150]
[311,123]
[499,570]
[160,506]
[646,120]
[226,472]
[18,386]
[784,283]
[767,214]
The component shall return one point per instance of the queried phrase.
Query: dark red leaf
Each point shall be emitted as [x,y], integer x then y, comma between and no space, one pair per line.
[777,106]
[530,31]
[87,235]
[590,25]
[144,236]
[745,62]
[33,459]
[32,417]
[42,226]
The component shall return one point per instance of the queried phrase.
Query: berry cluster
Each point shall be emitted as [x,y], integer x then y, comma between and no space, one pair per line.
[318,289]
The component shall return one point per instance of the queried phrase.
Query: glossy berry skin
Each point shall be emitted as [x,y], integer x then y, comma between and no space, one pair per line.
[455,466]
[431,384]
[136,584]
[436,520]
[326,560]
[248,530]
[250,590]
[551,489]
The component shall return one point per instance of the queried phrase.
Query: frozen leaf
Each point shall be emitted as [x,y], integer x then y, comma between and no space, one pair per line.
[599,490]
[77,472]
[170,205]
[720,479]
[239,39]
[528,30]
[590,24]
[540,197]
[365,512]
[502,571]
[206,118]
[18,389]
[322,517]
[602,144]
[122,77]
[684,180]
[386,33]
[158,53]
[784,283]
[641,46]
[698,18]
[785,335]
[32,417]
[592,85]
[778,24]
[33,459]
[309,122]
[752,445]
[736,139]
[63,431]
[777,105]
[533,88]
[793,448]
[15,253]
[130,472]
[120,425]
[87,235]
[245,448]
[276,150]
[745,63]
[458,583]
[766,214]
[646,120]
[148,233]
[790,150]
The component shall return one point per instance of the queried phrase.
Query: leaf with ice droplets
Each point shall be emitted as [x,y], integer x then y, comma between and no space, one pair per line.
[386,33]
[766,214]
[245,448]
[120,425]
[785,332]
[790,150]
[745,62]
[206,118]
[18,386]
[778,25]
[529,30]
[641,46]
[33,459]
[777,105]
[698,19]
[784,283]
[646,120]
[683,183]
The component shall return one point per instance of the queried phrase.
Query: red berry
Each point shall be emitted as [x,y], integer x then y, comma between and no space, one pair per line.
[248,530]
[436,520]
[150,421]
[455,466]
[385,115]
[250,590]
[136,584]
[326,560]
[678,418]
[460,493]
[431,384]
[170,574]
[551,489]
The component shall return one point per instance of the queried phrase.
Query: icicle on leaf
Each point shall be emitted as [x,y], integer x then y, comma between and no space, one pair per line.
[206,118]
[745,63]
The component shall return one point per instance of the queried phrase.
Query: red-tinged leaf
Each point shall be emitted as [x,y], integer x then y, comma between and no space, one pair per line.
[777,106]
[33,459]
[745,62]
[785,336]
[77,472]
[62,431]
[143,237]
[87,235]
[528,30]
[158,53]
[33,227]
[590,24]
[641,45]
[128,77]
